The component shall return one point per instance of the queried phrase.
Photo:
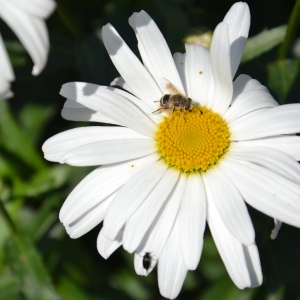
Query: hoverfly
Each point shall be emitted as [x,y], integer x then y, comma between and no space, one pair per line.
[174,100]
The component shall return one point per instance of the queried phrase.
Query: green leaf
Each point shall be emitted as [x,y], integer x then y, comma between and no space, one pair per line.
[5,168]
[14,139]
[277,294]
[226,290]
[263,42]
[41,220]
[133,288]
[17,53]
[34,119]
[26,264]
[69,290]
[281,77]
[211,264]
[42,182]
[9,286]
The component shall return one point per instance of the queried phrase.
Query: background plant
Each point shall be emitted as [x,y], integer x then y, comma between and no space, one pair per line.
[37,258]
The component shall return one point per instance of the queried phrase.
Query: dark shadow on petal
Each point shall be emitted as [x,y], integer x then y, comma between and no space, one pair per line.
[90,89]
[236,53]
[112,40]
[255,282]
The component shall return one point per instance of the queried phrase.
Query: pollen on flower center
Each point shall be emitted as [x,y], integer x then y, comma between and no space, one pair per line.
[192,140]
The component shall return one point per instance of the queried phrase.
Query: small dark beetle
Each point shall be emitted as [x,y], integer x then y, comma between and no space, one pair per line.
[147,261]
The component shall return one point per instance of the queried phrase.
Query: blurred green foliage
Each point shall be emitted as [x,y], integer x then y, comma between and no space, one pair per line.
[37,258]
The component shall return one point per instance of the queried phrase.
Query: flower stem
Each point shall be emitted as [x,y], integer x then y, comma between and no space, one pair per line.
[293,26]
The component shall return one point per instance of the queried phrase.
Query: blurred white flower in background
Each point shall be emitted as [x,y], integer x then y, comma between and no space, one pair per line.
[26,19]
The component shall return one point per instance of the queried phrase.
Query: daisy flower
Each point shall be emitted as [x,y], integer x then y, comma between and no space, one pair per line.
[165,172]
[26,19]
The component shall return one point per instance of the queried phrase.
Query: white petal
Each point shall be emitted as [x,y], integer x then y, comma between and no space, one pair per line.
[31,31]
[180,59]
[247,102]
[156,49]
[271,159]
[58,145]
[105,246]
[138,224]
[230,205]
[74,111]
[243,268]
[5,91]
[265,190]
[129,66]
[244,83]
[148,110]
[192,219]
[130,197]
[156,117]
[98,185]
[41,9]
[253,265]
[160,230]
[89,219]
[145,59]
[283,119]
[289,144]
[221,69]
[171,267]
[277,226]
[139,267]
[200,82]
[108,152]
[119,81]
[238,19]
[6,71]
[111,104]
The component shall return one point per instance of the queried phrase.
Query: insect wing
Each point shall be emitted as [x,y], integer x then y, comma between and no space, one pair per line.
[171,88]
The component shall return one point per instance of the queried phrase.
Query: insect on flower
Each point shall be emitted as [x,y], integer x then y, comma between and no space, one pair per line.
[174,100]
[147,261]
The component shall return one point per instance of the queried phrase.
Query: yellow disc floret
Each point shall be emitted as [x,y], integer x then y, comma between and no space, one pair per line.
[192,140]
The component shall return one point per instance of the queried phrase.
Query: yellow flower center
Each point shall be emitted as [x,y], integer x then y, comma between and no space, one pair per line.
[192,140]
